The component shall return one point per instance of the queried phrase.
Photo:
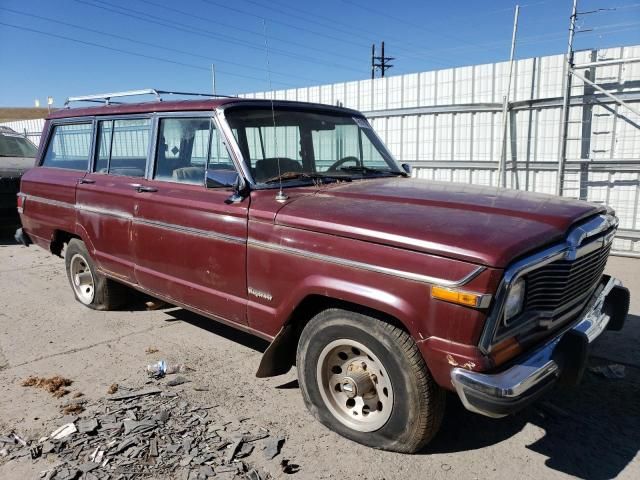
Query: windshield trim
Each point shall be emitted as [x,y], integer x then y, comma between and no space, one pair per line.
[233,146]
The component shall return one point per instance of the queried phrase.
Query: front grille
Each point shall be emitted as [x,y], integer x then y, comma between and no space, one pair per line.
[557,286]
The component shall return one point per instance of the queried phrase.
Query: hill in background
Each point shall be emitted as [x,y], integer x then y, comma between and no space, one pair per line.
[10,114]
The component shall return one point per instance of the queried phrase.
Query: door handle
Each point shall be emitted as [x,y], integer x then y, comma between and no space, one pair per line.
[86,181]
[144,188]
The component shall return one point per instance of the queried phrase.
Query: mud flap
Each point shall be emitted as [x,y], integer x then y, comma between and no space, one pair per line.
[616,306]
[279,357]
[571,355]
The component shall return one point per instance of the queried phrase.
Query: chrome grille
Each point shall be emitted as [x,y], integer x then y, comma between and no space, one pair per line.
[559,285]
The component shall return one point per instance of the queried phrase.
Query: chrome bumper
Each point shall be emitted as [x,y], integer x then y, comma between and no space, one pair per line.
[499,394]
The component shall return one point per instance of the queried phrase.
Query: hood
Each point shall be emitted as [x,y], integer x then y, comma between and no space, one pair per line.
[484,225]
[15,166]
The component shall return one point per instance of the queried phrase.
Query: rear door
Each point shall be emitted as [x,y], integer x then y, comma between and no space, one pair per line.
[190,244]
[49,190]
[107,195]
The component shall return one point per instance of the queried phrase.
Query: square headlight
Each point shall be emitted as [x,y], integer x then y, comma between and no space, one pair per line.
[515,300]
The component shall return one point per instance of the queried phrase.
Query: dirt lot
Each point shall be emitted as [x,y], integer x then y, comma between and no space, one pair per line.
[592,432]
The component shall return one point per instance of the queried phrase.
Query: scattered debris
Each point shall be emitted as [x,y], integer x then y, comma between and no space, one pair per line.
[445,466]
[139,393]
[177,381]
[64,431]
[150,433]
[73,408]
[613,371]
[272,447]
[288,467]
[162,368]
[151,350]
[89,425]
[78,395]
[17,439]
[157,370]
[35,451]
[156,304]
[54,385]
[113,388]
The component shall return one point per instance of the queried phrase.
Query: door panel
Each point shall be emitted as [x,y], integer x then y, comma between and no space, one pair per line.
[106,198]
[189,244]
[105,209]
[191,247]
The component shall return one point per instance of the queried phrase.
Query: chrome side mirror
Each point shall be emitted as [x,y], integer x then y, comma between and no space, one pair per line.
[222,178]
[407,168]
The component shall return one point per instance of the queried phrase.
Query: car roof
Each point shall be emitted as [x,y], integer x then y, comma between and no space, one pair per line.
[184,105]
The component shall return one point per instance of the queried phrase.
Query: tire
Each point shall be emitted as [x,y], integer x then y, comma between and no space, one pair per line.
[90,287]
[404,418]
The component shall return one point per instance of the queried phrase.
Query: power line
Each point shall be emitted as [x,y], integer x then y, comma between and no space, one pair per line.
[350,32]
[127,52]
[191,29]
[238,28]
[386,15]
[154,45]
[275,21]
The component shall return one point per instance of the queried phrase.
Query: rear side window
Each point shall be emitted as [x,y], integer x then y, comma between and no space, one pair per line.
[69,147]
[122,147]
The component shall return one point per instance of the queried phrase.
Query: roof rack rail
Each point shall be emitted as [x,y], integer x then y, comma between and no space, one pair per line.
[106,97]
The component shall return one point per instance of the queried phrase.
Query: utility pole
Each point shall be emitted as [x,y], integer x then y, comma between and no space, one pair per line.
[502,167]
[373,61]
[213,78]
[380,62]
[566,97]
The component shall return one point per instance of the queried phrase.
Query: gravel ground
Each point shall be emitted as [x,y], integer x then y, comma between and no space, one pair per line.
[592,432]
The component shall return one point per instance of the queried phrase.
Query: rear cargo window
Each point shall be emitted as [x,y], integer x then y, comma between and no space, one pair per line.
[122,147]
[69,147]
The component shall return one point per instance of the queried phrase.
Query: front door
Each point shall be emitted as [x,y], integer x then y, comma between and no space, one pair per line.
[190,246]
[107,195]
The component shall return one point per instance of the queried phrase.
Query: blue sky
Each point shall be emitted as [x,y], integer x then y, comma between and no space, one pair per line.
[126,44]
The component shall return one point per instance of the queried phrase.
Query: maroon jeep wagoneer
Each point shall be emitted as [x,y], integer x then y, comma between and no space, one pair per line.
[292,221]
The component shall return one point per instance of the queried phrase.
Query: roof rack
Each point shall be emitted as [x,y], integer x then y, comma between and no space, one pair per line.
[106,97]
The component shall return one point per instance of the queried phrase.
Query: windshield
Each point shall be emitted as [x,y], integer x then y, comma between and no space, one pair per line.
[308,145]
[13,145]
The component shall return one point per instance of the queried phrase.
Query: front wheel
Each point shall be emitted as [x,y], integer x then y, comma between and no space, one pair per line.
[366,379]
[90,287]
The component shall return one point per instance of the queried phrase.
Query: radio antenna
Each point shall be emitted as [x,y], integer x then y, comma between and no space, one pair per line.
[280,196]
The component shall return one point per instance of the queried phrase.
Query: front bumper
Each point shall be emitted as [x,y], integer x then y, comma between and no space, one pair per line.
[562,357]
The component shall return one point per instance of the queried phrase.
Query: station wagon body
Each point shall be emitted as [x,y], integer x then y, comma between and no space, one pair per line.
[293,222]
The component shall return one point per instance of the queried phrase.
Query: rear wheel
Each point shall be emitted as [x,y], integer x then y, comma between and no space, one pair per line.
[365,379]
[89,286]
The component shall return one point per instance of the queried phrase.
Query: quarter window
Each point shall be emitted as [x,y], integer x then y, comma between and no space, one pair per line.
[69,147]
[186,148]
[122,147]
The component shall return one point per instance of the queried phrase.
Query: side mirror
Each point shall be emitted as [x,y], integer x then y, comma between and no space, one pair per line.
[222,178]
[407,168]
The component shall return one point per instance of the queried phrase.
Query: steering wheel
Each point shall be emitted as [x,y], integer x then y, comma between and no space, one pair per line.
[342,161]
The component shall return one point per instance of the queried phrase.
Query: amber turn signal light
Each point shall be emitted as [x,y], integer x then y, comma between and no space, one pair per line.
[505,350]
[468,299]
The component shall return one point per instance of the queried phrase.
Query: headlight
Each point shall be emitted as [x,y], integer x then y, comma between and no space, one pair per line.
[515,301]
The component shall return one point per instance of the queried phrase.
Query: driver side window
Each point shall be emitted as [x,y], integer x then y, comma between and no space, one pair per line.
[186,148]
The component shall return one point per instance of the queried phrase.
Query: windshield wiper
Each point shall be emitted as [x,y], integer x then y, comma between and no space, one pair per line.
[306,175]
[364,170]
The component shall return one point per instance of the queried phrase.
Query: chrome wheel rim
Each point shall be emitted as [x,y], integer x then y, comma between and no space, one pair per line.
[82,279]
[354,385]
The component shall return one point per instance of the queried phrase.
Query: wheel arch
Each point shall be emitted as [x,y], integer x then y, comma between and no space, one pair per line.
[279,357]
[59,238]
